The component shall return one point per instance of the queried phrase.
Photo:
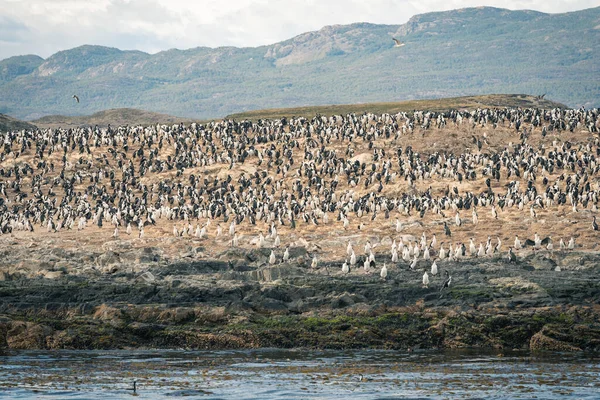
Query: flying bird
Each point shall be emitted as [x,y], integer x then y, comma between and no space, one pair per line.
[76,97]
[397,43]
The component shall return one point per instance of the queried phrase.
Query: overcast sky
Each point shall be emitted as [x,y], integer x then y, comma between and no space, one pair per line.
[44,27]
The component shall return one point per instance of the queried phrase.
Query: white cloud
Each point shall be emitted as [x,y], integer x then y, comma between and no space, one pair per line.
[46,26]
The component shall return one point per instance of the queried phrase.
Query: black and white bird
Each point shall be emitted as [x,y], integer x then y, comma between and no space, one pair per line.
[447,229]
[76,97]
[594,224]
[447,282]
[397,43]
[511,256]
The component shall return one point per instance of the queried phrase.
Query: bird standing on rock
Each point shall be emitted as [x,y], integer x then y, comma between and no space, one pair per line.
[511,256]
[286,254]
[434,268]
[447,282]
[383,272]
[345,268]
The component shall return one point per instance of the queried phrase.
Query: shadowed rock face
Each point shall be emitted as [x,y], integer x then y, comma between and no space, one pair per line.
[240,301]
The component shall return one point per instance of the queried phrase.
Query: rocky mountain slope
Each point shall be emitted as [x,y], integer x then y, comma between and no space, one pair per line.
[453,53]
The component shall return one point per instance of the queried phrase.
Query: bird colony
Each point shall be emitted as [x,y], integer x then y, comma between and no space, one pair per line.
[406,193]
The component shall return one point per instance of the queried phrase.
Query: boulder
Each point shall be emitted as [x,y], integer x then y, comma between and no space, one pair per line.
[541,342]
[108,258]
[27,335]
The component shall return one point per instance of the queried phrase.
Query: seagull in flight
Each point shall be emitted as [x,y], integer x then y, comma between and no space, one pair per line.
[397,43]
[76,98]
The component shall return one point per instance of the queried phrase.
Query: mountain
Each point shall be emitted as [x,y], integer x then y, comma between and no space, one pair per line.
[8,123]
[115,117]
[455,53]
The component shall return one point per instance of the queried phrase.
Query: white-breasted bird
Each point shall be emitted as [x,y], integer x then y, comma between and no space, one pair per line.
[286,254]
[345,268]
[397,43]
[434,268]
[384,272]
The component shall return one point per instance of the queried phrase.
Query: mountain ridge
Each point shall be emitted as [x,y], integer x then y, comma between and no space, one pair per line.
[452,53]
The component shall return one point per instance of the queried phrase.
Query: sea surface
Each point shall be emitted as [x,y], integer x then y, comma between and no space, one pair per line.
[298,374]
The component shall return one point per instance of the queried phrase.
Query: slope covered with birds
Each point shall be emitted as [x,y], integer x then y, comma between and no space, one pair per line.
[452,53]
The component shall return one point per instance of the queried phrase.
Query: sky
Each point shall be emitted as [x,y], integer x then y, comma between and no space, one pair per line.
[44,27]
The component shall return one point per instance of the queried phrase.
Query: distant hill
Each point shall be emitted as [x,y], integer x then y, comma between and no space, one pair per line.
[11,124]
[114,117]
[447,54]
[453,103]
[129,116]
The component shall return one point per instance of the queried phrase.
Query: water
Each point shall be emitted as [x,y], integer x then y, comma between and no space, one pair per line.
[297,374]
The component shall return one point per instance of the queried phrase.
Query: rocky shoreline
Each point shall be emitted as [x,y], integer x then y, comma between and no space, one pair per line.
[142,298]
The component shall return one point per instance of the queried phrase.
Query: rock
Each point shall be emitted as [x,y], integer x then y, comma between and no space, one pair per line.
[270,274]
[273,305]
[177,315]
[117,244]
[51,274]
[542,342]
[4,324]
[147,277]
[301,242]
[342,301]
[386,241]
[27,335]
[110,269]
[297,252]
[408,239]
[107,313]
[65,339]
[265,304]
[108,258]
[298,306]
[541,262]
[150,254]
[516,284]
